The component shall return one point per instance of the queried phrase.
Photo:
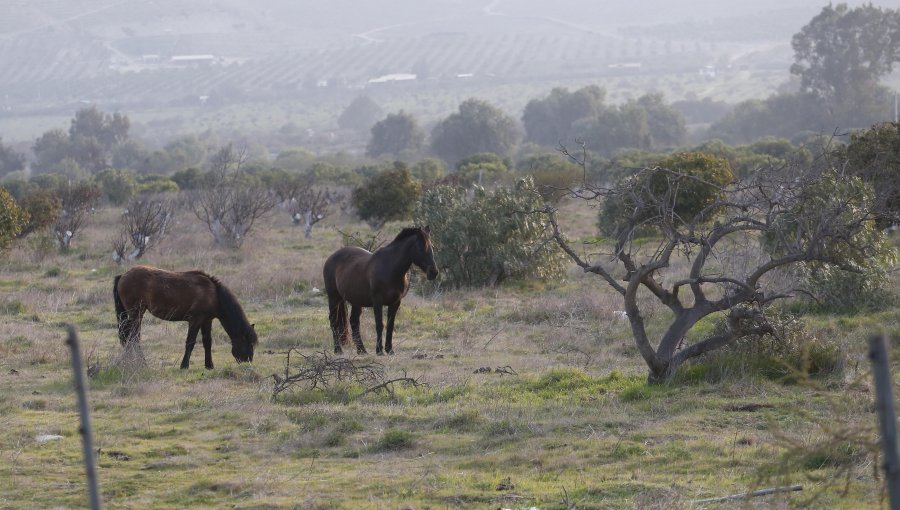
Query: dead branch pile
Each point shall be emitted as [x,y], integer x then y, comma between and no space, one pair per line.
[319,370]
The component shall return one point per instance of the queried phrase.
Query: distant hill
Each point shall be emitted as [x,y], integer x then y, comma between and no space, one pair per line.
[132,54]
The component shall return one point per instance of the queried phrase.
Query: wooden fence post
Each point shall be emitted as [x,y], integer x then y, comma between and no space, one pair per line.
[84,410]
[884,402]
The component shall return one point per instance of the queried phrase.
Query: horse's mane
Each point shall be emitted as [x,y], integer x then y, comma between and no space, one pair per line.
[408,232]
[231,314]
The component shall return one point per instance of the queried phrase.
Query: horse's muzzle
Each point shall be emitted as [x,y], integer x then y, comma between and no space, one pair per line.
[432,273]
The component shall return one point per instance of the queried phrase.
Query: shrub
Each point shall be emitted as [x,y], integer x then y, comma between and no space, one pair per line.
[485,238]
[12,219]
[553,175]
[388,196]
[43,207]
[685,183]
[394,439]
[789,353]
[118,186]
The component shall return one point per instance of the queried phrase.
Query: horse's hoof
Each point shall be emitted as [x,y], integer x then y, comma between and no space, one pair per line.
[338,350]
[361,351]
[184,366]
[380,353]
[209,367]
[390,351]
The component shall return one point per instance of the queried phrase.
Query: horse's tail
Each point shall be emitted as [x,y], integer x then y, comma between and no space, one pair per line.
[337,307]
[343,320]
[125,326]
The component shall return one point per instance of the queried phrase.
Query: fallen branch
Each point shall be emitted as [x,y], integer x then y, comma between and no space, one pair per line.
[761,492]
[388,385]
[319,370]
[508,370]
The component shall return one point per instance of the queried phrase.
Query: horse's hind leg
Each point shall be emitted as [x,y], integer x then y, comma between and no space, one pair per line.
[391,315]
[189,344]
[379,327]
[355,312]
[337,316]
[206,331]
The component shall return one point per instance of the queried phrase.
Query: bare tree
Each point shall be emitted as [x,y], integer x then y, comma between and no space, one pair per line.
[77,202]
[231,203]
[311,206]
[144,224]
[735,250]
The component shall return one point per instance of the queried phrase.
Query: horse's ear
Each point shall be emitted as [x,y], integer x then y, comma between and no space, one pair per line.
[253,327]
[427,229]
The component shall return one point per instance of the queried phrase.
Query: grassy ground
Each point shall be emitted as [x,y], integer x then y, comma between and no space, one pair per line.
[575,426]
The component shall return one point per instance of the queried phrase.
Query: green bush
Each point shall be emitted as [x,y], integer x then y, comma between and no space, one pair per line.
[12,219]
[553,175]
[490,236]
[118,186]
[43,207]
[792,353]
[394,439]
[685,183]
[388,196]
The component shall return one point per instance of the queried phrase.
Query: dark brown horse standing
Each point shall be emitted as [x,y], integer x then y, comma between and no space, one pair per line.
[365,279]
[191,296]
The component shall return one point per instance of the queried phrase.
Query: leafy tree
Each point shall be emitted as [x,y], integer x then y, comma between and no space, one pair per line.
[117,186]
[552,174]
[189,178]
[549,121]
[874,156]
[482,169]
[488,237]
[388,196]
[477,127]
[296,158]
[736,265]
[90,141]
[688,185]
[49,150]
[428,170]
[185,152]
[12,219]
[360,115]
[842,53]
[156,184]
[10,160]
[665,123]
[43,207]
[780,115]
[642,124]
[627,126]
[396,134]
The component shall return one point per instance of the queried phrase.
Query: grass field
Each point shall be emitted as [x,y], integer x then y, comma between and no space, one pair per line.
[575,426]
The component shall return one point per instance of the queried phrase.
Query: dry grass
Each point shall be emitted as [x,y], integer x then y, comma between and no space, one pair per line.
[575,428]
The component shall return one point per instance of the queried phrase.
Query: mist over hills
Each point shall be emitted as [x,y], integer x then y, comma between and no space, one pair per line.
[134,55]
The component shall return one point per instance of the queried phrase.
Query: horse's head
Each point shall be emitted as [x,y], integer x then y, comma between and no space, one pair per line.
[242,348]
[424,254]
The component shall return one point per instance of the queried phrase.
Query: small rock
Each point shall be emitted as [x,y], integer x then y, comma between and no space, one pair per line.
[483,370]
[43,438]
[13,371]
[420,356]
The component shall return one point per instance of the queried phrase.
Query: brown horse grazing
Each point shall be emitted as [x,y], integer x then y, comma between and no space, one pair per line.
[192,296]
[365,279]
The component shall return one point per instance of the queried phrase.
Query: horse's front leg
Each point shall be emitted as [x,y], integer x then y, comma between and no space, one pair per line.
[206,331]
[391,315]
[189,344]
[379,326]
[355,312]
